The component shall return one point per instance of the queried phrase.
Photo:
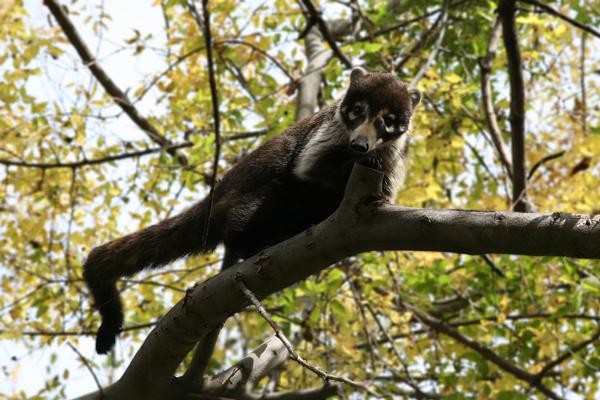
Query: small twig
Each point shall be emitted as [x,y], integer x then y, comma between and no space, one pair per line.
[443,22]
[288,345]
[262,52]
[399,25]
[488,260]
[421,42]
[582,83]
[571,21]
[543,161]
[409,379]
[484,351]
[79,333]
[485,64]
[89,368]
[83,163]
[315,15]
[566,355]
[204,24]
[359,305]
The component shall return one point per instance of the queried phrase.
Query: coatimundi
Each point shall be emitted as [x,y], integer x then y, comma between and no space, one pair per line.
[280,189]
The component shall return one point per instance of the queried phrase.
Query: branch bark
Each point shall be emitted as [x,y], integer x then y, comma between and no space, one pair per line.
[507,10]
[107,83]
[359,224]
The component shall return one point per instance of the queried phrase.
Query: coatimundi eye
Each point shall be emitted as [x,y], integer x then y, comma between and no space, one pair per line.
[356,111]
[389,120]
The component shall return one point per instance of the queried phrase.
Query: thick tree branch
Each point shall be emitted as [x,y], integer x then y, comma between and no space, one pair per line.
[242,377]
[359,224]
[560,15]
[308,91]
[507,10]
[486,97]
[107,83]
[317,58]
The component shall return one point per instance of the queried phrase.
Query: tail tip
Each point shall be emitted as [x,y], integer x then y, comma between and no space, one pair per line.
[106,338]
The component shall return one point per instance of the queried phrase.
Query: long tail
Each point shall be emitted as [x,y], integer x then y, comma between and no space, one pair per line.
[151,247]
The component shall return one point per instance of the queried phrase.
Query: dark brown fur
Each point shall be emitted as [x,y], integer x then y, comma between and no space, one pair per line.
[258,203]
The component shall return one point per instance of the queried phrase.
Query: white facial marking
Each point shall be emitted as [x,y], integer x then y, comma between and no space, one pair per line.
[366,130]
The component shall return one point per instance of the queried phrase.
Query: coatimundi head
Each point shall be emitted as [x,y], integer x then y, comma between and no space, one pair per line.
[376,109]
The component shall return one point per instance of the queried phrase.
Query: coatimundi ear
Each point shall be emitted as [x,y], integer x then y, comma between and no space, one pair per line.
[415,97]
[356,73]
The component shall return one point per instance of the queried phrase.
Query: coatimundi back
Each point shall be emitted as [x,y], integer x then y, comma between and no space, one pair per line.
[282,188]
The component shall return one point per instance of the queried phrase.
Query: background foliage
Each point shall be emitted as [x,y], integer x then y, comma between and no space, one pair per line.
[56,203]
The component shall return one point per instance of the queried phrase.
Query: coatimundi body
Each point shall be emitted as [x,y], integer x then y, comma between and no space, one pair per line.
[282,188]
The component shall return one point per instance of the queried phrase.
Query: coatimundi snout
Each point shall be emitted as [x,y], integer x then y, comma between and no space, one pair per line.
[283,187]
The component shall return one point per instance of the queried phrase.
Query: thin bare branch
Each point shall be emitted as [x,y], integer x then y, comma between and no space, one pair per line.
[541,162]
[562,16]
[107,83]
[442,22]
[486,97]
[204,25]
[582,84]
[88,366]
[262,52]
[316,17]
[420,43]
[484,351]
[566,355]
[290,347]
[101,160]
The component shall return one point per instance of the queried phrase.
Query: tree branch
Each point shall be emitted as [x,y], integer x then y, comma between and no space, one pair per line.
[443,21]
[87,366]
[486,97]
[571,21]
[308,91]
[107,83]
[315,16]
[359,224]
[507,10]
[101,160]
[204,25]
[421,42]
[566,355]
[290,347]
[243,376]
[484,351]
[542,162]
